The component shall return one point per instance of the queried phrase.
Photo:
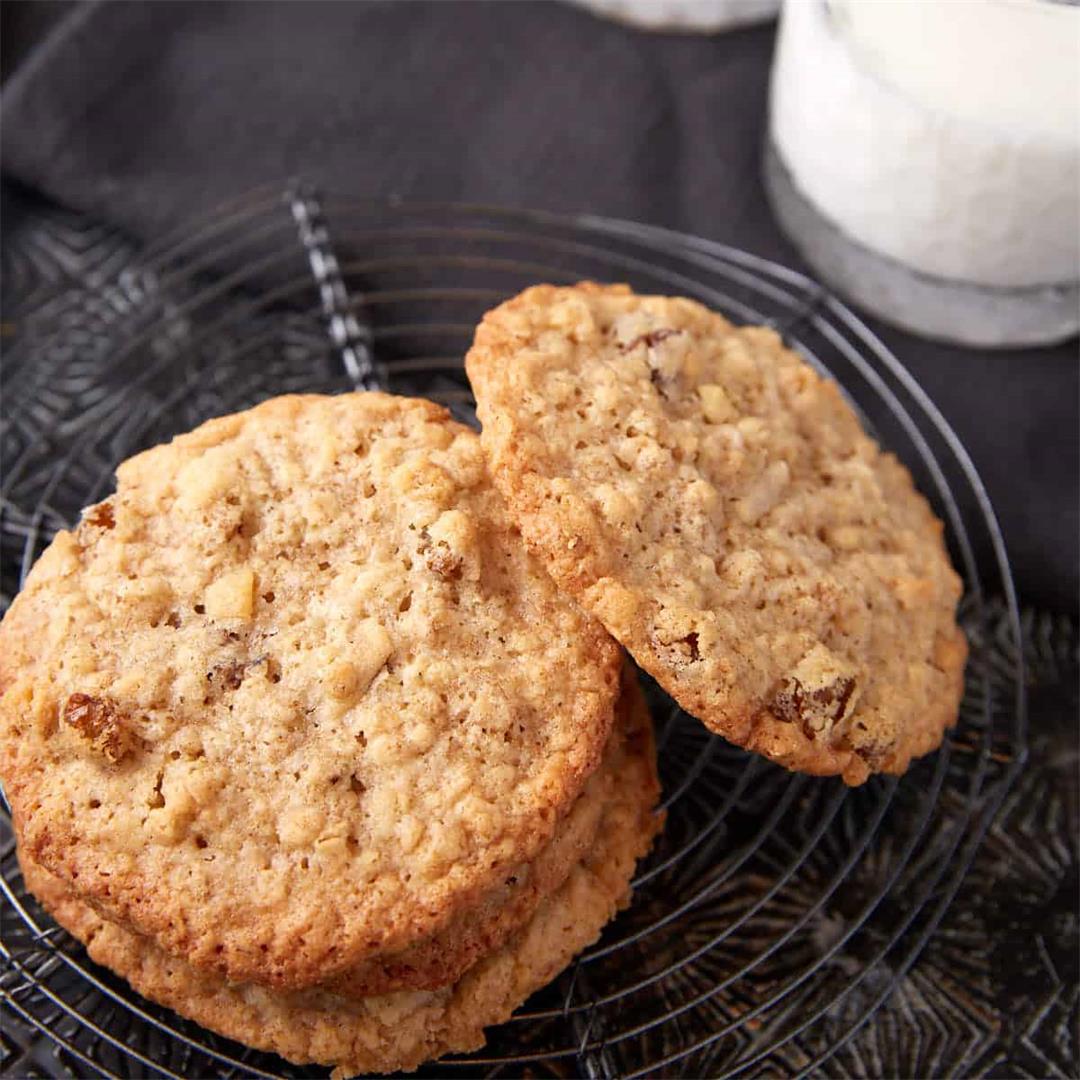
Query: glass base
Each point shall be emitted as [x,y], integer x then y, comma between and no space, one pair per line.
[956,312]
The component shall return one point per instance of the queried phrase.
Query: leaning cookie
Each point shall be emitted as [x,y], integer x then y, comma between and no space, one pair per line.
[401,1030]
[295,696]
[716,504]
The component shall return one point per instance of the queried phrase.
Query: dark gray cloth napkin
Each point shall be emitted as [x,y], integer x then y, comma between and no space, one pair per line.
[144,114]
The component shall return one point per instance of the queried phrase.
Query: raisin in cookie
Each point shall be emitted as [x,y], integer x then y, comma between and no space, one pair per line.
[295,695]
[715,503]
[398,1031]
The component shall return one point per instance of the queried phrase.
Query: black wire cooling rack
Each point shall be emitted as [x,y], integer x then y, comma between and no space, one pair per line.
[778,911]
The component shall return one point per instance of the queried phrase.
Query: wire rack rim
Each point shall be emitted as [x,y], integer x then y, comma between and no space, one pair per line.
[806,304]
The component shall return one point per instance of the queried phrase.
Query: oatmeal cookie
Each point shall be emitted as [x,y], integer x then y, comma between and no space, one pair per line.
[716,504]
[296,696]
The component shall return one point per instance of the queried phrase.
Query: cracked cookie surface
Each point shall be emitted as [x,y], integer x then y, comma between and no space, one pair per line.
[296,696]
[399,1031]
[716,504]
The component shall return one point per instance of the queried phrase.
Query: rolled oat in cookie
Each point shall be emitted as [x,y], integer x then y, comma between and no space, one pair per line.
[716,504]
[296,697]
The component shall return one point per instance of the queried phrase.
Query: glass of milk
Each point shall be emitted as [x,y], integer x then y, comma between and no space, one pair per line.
[923,155]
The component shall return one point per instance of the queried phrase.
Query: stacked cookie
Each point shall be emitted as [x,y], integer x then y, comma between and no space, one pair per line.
[301,741]
[317,730]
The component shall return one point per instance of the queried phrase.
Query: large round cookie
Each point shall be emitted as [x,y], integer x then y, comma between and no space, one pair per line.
[398,1031]
[716,504]
[295,695]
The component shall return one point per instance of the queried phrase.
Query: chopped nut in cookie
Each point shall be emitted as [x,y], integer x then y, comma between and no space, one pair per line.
[449,548]
[373,649]
[442,561]
[651,339]
[765,494]
[342,680]
[716,405]
[231,596]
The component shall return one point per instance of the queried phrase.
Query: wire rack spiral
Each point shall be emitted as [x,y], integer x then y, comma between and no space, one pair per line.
[778,911]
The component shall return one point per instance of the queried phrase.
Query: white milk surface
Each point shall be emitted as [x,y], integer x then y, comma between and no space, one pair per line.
[944,134]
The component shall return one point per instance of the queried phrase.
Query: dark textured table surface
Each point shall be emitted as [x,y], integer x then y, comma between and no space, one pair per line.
[143,115]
